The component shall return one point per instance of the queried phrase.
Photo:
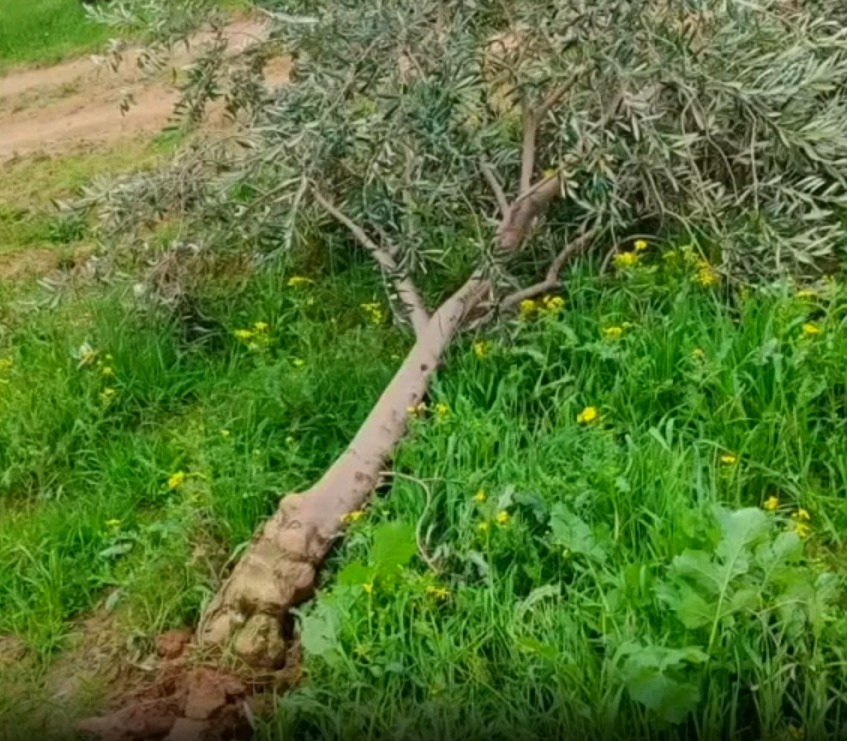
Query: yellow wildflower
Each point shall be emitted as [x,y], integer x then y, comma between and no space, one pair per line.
[243,334]
[771,503]
[107,396]
[375,311]
[587,416]
[176,480]
[368,588]
[261,326]
[706,275]
[554,304]
[810,329]
[442,409]
[698,353]
[503,518]
[297,281]
[480,497]
[353,516]
[87,354]
[113,524]
[613,333]
[440,593]
[417,411]
[107,371]
[728,459]
[641,245]
[480,349]
[5,364]
[626,259]
[802,515]
[802,529]
[484,527]
[527,307]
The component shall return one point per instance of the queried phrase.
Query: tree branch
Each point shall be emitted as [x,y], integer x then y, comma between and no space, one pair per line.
[532,120]
[406,290]
[496,188]
[551,280]
[518,220]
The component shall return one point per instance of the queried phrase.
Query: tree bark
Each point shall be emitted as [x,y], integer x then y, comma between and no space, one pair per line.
[279,568]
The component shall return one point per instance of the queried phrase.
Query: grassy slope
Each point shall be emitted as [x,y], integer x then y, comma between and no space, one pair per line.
[613,596]
[547,621]
[44,31]
[28,216]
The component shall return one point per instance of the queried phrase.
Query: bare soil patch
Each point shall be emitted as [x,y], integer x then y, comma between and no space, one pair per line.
[54,108]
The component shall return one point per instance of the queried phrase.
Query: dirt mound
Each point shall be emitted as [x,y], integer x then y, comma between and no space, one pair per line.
[190,700]
[49,109]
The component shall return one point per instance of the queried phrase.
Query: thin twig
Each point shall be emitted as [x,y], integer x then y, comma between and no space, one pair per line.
[406,291]
[551,280]
[496,188]
[425,557]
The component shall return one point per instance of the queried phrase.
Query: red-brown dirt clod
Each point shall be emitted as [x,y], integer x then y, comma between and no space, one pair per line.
[190,702]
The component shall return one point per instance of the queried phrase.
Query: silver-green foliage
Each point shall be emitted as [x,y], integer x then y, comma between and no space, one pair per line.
[723,118]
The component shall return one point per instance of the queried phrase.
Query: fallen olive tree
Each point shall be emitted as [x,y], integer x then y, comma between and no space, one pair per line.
[473,149]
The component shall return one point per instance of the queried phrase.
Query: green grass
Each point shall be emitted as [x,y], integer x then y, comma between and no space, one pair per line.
[45,31]
[28,214]
[637,587]
[88,520]
[620,579]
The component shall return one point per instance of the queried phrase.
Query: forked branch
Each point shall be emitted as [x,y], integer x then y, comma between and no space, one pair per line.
[551,279]
[522,213]
[406,290]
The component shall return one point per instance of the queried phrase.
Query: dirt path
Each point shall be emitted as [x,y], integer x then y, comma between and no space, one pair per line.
[54,108]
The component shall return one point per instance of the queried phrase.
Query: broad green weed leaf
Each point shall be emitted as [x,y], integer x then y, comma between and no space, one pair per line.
[534,502]
[355,573]
[393,547]
[504,501]
[740,529]
[692,610]
[786,549]
[699,567]
[572,532]
[745,600]
[662,657]
[544,650]
[671,699]
[319,632]
[654,676]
